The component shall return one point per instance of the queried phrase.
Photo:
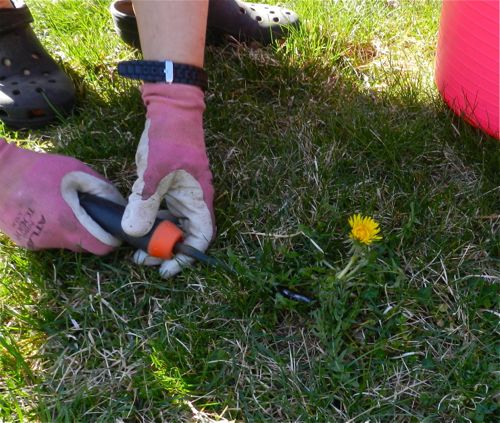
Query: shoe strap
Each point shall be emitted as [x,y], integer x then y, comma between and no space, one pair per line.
[13,18]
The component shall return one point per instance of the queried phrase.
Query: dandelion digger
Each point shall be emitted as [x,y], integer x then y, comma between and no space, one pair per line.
[164,240]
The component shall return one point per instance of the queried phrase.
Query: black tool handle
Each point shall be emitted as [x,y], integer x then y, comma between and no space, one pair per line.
[108,215]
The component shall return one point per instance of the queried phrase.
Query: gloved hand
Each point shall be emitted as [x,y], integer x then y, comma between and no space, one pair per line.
[172,165]
[39,206]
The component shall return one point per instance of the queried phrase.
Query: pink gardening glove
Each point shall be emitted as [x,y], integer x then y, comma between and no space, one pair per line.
[39,206]
[172,165]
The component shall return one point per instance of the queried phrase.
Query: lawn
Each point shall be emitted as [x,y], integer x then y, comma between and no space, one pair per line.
[341,118]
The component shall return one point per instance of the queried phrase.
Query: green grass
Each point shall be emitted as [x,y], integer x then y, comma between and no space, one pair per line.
[343,117]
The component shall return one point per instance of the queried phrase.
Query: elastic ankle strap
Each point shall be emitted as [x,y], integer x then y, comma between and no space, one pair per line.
[166,72]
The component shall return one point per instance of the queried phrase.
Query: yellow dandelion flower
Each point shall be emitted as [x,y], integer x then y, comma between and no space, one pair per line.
[364,229]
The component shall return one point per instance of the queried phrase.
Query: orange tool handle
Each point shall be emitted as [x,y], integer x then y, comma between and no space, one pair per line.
[163,240]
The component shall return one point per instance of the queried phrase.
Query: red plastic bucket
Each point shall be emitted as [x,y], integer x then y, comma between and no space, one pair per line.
[467,61]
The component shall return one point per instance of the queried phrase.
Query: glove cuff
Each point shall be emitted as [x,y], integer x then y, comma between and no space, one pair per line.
[174,115]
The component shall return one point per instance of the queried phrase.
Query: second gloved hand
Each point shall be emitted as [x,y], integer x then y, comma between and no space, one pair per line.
[39,204]
[172,165]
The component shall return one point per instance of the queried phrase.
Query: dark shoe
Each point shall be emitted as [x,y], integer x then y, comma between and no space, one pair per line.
[33,88]
[241,20]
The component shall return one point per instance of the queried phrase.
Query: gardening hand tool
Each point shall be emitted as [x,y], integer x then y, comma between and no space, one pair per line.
[163,241]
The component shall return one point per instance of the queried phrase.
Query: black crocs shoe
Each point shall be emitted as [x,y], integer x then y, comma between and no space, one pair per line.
[241,20]
[249,21]
[33,88]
